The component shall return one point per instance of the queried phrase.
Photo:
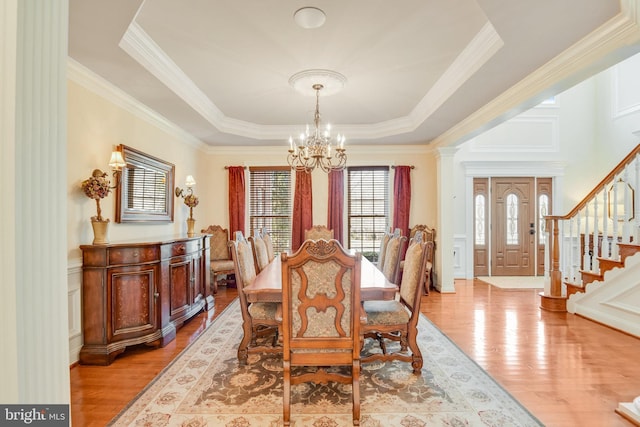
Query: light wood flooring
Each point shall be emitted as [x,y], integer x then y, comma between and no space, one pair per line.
[567,370]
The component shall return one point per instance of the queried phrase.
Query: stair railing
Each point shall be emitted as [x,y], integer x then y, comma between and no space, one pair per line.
[608,215]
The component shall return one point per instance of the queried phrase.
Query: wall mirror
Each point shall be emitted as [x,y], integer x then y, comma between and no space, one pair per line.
[145,190]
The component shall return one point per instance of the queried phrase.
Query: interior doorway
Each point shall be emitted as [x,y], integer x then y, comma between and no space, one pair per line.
[508,225]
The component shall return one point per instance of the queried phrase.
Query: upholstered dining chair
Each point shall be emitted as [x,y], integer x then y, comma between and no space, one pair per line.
[258,318]
[266,236]
[429,236]
[397,320]
[221,263]
[321,315]
[259,248]
[393,251]
[417,237]
[318,232]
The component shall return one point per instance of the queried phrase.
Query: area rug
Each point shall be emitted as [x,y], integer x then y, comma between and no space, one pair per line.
[514,282]
[206,386]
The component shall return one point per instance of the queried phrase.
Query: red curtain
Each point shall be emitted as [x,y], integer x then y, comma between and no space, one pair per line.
[236,200]
[402,199]
[336,204]
[302,209]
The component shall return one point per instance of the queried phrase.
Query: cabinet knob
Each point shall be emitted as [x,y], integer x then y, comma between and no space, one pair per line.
[156,294]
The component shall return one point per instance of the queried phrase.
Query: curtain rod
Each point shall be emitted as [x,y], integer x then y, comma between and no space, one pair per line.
[227,167]
[412,167]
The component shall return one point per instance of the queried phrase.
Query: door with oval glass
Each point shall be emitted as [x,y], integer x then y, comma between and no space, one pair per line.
[501,230]
[513,226]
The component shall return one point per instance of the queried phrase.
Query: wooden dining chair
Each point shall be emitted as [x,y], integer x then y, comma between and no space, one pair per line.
[397,320]
[268,241]
[259,249]
[417,237]
[221,263]
[393,251]
[258,318]
[318,232]
[321,315]
[429,236]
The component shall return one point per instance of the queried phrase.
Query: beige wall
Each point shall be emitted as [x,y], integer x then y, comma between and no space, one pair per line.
[95,126]
[423,187]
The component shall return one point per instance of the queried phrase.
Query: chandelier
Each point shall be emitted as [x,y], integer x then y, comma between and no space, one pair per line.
[317,148]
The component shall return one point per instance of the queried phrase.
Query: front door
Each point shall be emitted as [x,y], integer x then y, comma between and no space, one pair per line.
[513,226]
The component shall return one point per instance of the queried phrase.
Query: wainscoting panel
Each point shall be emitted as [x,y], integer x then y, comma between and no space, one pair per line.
[74,295]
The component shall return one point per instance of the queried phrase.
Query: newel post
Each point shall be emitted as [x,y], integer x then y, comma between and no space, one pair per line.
[554,301]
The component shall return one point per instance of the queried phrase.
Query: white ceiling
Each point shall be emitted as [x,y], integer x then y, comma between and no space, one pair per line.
[418,71]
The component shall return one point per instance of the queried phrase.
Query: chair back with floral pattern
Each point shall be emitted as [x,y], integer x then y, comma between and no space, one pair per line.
[221,263]
[321,314]
[393,252]
[414,275]
[318,232]
[268,241]
[259,248]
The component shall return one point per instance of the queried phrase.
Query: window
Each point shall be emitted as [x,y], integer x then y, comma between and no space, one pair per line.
[368,207]
[543,210]
[270,204]
[480,238]
[512,219]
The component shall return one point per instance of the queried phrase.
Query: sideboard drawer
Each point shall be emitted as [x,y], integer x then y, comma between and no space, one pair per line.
[186,247]
[133,255]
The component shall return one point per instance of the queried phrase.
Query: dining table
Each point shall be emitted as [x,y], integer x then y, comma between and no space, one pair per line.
[267,286]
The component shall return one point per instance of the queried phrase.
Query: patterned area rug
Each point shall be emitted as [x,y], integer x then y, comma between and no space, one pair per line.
[205,386]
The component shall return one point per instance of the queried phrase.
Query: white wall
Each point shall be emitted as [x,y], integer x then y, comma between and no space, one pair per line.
[577,140]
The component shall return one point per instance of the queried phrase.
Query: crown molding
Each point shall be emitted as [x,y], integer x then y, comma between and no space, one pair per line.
[96,84]
[143,49]
[602,47]
[483,46]
[266,151]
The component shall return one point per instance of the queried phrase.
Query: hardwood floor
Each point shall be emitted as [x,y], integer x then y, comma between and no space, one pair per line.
[567,370]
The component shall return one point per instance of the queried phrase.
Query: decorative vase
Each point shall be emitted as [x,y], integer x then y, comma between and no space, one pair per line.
[100,229]
[190,226]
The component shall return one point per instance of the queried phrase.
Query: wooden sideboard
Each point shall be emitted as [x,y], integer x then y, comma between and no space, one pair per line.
[140,292]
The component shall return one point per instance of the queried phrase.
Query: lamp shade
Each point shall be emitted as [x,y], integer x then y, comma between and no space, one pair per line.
[190,181]
[117,162]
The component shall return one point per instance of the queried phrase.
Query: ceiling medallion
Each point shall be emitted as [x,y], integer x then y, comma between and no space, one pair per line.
[332,82]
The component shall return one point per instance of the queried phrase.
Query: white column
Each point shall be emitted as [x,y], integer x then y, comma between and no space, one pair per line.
[444,251]
[34,190]
[8,311]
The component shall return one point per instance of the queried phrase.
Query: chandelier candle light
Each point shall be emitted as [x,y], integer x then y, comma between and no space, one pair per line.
[315,148]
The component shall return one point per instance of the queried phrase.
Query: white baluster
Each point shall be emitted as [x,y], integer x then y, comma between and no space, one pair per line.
[586,258]
[604,249]
[636,202]
[596,236]
[614,216]
[626,197]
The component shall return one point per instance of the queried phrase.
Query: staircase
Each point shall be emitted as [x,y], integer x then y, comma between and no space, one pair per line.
[590,253]
[624,250]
